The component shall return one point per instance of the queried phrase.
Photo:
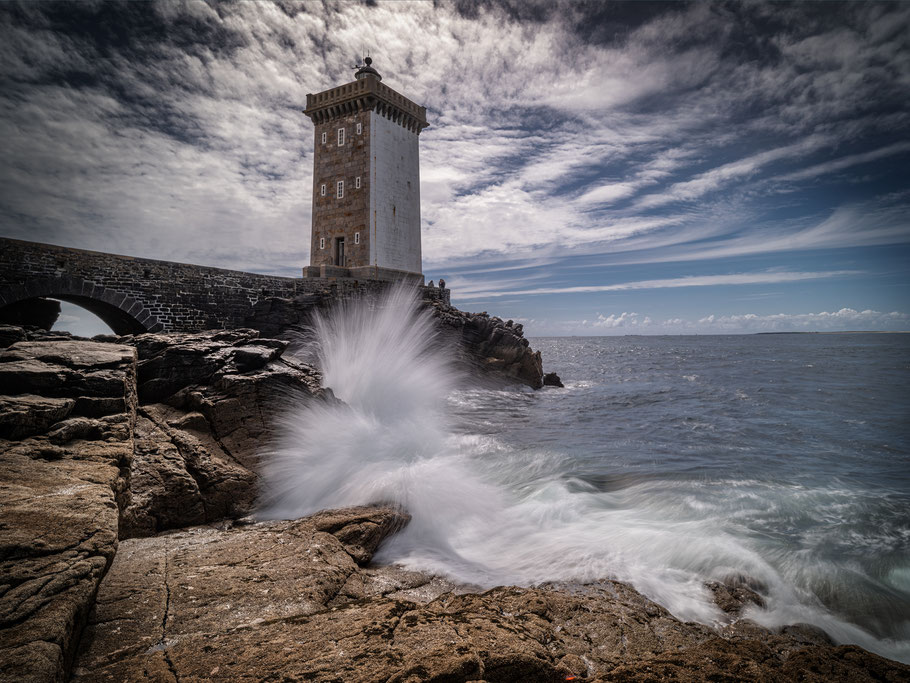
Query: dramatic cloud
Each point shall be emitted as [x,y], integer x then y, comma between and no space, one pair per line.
[578,135]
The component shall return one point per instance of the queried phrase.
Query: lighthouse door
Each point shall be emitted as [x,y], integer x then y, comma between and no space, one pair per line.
[339,251]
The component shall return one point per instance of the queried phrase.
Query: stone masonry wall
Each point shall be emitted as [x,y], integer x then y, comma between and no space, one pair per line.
[333,217]
[157,295]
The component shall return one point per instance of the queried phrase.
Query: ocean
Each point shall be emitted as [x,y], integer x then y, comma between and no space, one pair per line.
[779,460]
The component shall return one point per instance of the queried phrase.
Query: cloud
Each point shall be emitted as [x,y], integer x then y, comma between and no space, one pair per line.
[844,319]
[846,162]
[622,320]
[174,130]
[731,279]
[716,178]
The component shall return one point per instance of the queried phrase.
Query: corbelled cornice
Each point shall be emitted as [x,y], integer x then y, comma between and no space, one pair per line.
[366,94]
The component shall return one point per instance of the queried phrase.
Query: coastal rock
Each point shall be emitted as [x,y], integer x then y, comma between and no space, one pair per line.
[202,584]
[10,334]
[197,452]
[170,362]
[25,415]
[361,530]
[234,380]
[733,597]
[63,481]
[491,344]
[288,600]
[82,464]
[180,476]
[551,379]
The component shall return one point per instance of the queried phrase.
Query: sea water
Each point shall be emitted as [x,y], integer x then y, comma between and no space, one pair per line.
[665,462]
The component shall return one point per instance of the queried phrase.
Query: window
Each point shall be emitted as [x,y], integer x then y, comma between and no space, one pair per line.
[322,190]
[340,137]
[324,137]
[339,193]
[357,183]
[359,128]
[356,238]
[322,242]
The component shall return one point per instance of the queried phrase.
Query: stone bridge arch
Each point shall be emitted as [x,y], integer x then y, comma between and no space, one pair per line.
[121,312]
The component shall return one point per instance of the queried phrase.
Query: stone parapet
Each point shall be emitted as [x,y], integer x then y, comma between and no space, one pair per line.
[365,94]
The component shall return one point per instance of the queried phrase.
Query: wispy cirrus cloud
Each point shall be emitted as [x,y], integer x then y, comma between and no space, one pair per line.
[571,134]
[500,288]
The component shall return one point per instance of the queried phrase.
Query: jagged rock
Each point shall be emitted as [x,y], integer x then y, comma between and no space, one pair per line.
[240,408]
[35,312]
[360,533]
[10,334]
[90,372]
[551,379]
[492,344]
[232,379]
[180,476]
[171,362]
[197,454]
[24,415]
[59,495]
[732,597]
[77,428]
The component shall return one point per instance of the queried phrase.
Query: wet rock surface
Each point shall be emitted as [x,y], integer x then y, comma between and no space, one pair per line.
[290,600]
[551,379]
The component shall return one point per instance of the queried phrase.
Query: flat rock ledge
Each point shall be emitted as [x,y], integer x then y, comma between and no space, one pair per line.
[296,600]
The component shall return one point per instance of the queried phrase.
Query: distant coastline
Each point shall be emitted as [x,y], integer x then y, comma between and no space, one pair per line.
[845,332]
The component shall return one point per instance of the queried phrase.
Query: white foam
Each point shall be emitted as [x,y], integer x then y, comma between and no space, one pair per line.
[486,514]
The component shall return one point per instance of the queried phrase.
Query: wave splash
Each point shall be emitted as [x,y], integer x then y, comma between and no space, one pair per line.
[483,513]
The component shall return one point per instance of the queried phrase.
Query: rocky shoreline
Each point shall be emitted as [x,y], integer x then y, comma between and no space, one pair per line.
[129,470]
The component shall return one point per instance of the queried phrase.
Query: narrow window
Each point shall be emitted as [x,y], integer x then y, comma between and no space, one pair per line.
[340,137]
[322,242]
[322,190]
[357,183]
[356,238]
[340,191]
[324,137]
[359,128]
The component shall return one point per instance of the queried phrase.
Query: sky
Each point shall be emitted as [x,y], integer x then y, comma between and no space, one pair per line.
[590,168]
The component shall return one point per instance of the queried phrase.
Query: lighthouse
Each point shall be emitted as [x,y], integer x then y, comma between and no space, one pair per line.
[366,181]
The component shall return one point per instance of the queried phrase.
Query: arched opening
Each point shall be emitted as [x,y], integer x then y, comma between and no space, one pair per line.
[79,321]
[37,303]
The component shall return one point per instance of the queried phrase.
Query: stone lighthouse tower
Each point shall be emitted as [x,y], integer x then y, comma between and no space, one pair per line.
[366,181]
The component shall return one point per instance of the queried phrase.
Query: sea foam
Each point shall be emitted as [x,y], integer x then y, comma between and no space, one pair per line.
[486,513]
